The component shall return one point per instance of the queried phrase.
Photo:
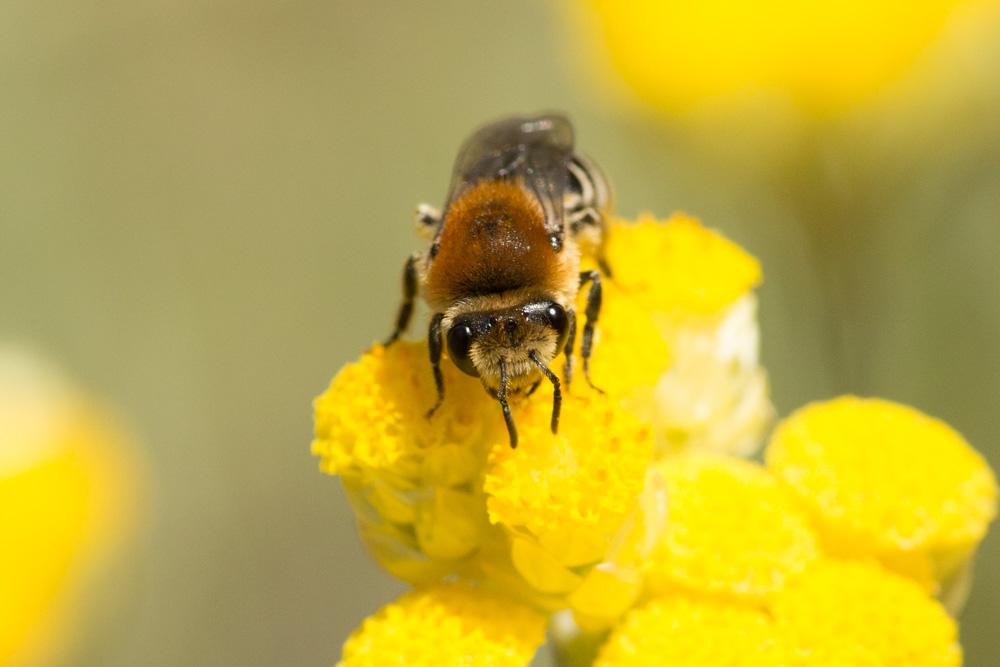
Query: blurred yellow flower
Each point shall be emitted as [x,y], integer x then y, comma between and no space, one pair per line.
[822,57]
[731,530]
[689,632]
[447,626]
[833,613]
[66,500]
[882,480]
[854,613]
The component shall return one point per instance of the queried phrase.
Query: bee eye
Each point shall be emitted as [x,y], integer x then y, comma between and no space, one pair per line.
[556,316]
[459,342]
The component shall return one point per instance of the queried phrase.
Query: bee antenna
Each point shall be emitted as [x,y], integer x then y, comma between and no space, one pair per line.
[556,391]
[502,397]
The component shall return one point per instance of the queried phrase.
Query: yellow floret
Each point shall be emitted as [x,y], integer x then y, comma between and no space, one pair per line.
[679,266]
[857,613]
[883,480]
[731,529]
[686,632]
[444,626]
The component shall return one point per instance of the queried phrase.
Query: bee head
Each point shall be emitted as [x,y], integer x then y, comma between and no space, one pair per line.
[480,342]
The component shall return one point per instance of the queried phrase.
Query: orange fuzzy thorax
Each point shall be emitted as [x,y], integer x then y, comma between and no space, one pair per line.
[494,240]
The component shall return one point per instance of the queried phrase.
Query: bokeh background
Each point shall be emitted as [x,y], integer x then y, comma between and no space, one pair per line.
[205,206]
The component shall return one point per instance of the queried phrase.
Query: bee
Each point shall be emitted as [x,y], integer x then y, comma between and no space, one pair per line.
[501,273]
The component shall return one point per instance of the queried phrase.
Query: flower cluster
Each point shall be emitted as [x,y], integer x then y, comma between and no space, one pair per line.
[639,520]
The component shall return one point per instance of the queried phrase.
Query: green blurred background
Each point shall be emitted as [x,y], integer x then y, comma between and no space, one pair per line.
[204,208]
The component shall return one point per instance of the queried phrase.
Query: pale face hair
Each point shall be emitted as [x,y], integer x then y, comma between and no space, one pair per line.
[510,328]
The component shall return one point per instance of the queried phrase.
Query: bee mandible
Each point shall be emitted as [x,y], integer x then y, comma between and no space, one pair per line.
[502,271]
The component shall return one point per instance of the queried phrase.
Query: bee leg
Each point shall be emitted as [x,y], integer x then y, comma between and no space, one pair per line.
[556,393]
[406,308]
[502,398]
[570,342]
[434,346]
[602,264]
[593,311]
[588,216]
[427,218]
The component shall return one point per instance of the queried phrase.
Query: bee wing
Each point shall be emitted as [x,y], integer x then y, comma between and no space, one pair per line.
[534,149]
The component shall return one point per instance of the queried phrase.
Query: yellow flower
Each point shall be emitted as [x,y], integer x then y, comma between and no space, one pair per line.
[65,492]
[731,529]
[855,613]
[571,503]
[823,57]
[582,480]
[450,625]
[882,480]
[689,632]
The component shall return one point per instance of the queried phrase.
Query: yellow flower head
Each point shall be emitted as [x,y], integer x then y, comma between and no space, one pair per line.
[689,632]
[445,626]
[586,477]
[824,57]
[565,500]
[65,492]
[856,613]
[883,480]
[731,529]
